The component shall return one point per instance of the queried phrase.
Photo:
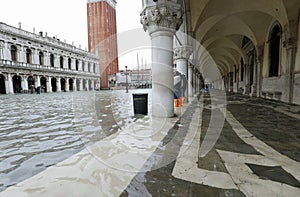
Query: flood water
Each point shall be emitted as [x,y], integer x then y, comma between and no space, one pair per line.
[38,131]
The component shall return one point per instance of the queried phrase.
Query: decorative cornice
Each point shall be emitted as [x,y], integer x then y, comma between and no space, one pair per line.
[183,52]
[162,16]
[112,3]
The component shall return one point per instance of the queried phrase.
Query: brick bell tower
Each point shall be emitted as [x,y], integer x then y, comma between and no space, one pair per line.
[102,38]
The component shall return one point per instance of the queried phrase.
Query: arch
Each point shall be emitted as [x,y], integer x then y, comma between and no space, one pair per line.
[2,84]
[61,61]
[89,67]
[69,63]
[71,84]
[274,49]
[14,53]
[41,58]
[63,84]
[54,84]
[28,56]
[51,60]
[78,84]
[17,84]
[31,84]
[94,68]
[43,81]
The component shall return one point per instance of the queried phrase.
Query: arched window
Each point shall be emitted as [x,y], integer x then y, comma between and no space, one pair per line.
[13,52]
[61,61]
[89,65]
[41,58]
[51,60]
[69,63]
[76,64]
[242,69]
[94,68]
[274,51]
[83,65]
[28,56]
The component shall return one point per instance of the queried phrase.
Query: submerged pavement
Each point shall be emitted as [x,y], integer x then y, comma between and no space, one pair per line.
[241,147]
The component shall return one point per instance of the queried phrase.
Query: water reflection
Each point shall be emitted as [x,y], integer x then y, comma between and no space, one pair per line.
[38,131]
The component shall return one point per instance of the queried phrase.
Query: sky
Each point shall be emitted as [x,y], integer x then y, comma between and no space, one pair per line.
[51,16]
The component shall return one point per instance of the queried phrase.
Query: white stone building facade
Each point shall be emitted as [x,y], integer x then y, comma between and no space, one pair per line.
[29,61]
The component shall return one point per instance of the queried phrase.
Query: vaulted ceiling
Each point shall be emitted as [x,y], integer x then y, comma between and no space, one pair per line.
[220,26]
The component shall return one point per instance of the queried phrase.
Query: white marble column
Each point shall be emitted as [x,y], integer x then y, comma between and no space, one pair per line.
[93,85]
[49,85]
[190,81]
[162,19]
[75,85]
[37,81]
[24,84]
[9,84]
[259,62]
[80,84]
[67,85]
[290,45]
[181,55]
[87,85]
[58,85]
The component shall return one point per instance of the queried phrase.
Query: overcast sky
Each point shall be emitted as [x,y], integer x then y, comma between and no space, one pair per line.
[66,19]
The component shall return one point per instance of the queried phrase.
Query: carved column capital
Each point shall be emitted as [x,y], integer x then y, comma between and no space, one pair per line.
[183,52]
[164,15]
[290,32]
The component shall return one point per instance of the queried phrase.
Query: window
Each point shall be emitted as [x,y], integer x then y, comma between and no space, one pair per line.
[89,65]
[51,60]
[13,52]
[70,63]
[28,56]
[94,70]
[61,62]
[41,58]
[83,66]
[274,51]
[76,64]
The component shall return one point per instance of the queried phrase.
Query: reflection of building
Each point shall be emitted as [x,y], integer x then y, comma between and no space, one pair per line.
[136,78]
[102,38]
[29,61]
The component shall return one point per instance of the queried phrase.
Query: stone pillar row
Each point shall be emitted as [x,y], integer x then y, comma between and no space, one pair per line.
[9,86]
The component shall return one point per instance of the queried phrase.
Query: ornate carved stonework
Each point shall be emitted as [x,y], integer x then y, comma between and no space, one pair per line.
[183,52]
[165,15]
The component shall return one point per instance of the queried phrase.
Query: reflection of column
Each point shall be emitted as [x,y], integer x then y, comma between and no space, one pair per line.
[49,85]
[181,55]
[58,84]
[162,20]
[9,85]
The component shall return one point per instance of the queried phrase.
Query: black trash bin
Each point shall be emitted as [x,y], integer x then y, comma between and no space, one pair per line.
[140,104]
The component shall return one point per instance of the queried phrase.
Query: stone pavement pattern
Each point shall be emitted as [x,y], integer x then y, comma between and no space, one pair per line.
[256,154]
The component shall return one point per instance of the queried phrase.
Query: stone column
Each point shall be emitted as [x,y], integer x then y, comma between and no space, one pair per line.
[24,84]
[58,85]
[162,19]
[9,84]
[37,81]
[67,89]
[259,62]
[49,85]
[181,55]
[93,85]
[290,44]
[190,81]
[80,84]
[74,85]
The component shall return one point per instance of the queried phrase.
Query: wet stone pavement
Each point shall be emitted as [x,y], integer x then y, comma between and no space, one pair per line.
[267,176]
[218,145]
